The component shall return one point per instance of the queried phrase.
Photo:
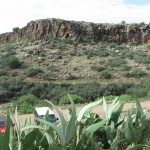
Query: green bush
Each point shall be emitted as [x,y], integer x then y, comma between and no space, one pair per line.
[106,74]
[15,29]
[138,92]
[13,62]
[65,99]
[101,52]
[116,62]
[138,73]
[125,67]
[31,72]
[27,103]
[98,68]
[3,95]
[125,97]
[7,47]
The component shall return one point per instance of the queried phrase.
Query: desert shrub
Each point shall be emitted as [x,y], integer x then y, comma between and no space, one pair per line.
[15,29]
[126,74]
[130,54]
[106,74]
[65,99]
[137,92]
[112,45]
[30,51]
[115,62]
[141,57]
[125,97]
[12,62]
[148,67]
[33,72]
[110,97]
[98,68]
[3,72]
[7,47]
[3,95]
[9,53]
[145,83]
[26,103]
[125,67]
[96,52]
[117,88]
[138,73]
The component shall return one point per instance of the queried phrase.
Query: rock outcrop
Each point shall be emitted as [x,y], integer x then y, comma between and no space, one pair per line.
[80,31]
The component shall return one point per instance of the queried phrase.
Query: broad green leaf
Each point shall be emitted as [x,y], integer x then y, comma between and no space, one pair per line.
[17,124]
[29,139]
[3,145]
[55,146]
[63,121]
[116,141]
[94,127]
[7,131]
[88,131]
[71,127]
[109,134]
[111,108]
[85,108]
[104,104]
[49,138]
[117,113]
[139,112]
[136,147]
[58,130]
[130,132]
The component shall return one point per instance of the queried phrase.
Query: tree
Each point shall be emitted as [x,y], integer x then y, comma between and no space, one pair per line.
[123,22]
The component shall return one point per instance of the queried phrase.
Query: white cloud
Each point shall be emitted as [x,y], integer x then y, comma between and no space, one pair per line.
[18,12]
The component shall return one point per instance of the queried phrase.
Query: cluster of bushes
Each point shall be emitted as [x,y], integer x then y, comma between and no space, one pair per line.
[8,59]
[33,72]
[89,91]
[97,68]
[138,56]
[106,74]
[115,62]
[27,103]
[136,73]
[101,52]
[13,62]
[11,88]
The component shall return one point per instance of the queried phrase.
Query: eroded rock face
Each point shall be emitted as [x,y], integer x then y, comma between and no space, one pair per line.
[80,31]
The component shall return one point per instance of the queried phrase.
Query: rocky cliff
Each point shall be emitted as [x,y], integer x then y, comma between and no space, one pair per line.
[80,31]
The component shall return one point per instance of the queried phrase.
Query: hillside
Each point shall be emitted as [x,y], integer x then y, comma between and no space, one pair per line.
[53,54]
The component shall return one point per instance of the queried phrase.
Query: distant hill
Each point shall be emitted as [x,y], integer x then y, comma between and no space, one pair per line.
[80,31]
[52,57]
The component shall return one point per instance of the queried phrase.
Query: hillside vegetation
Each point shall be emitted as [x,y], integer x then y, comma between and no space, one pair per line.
[49,66]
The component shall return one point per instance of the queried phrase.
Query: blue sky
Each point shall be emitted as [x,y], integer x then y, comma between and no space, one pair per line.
[137,2]
[17,13]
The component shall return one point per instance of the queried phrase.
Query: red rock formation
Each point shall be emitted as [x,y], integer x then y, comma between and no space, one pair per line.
[80,31]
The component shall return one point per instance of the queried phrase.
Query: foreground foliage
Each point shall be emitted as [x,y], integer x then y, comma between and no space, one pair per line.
[82,131]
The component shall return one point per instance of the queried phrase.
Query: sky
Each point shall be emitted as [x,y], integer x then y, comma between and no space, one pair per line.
[17,13]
